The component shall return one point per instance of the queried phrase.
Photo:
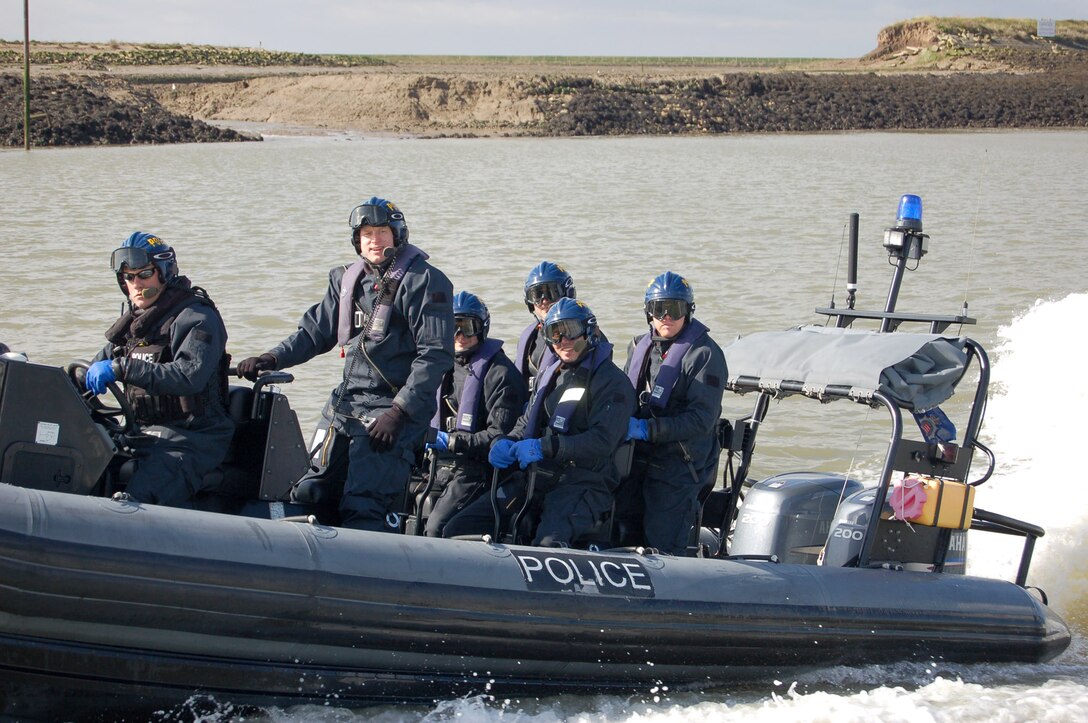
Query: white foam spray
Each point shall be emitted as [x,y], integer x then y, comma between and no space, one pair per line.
[1035,425]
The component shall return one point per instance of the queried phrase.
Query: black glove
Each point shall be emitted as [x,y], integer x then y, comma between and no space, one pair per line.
[251,367]
[386,428]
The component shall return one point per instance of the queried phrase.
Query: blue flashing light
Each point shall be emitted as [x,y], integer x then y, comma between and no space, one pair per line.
[910,211]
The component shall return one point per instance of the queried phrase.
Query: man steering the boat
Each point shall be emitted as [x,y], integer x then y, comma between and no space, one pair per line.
[576,418]
[168,349]
[678,373]
[391,314]
[479,401]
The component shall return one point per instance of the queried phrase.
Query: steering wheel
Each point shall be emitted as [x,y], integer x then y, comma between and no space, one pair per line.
[121,417]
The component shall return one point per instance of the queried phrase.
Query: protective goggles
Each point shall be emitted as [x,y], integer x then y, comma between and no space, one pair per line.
[546,291]
[135,258]
[467,326]
[675,308]
[145,274]
[571,329]
[370,215]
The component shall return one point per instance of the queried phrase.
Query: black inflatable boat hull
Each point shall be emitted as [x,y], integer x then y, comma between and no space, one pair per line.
[121,607]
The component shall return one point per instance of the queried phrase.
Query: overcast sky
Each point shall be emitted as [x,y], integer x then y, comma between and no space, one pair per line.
[745,28]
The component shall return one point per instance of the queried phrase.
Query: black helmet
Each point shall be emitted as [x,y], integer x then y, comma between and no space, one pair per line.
[378,212]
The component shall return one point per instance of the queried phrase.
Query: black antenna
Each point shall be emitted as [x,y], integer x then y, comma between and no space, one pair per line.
[852,262]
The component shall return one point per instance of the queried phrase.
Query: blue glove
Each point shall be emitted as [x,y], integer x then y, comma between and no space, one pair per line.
[528,451]
[441,441]
[99,375]
[501,455]
[638,429]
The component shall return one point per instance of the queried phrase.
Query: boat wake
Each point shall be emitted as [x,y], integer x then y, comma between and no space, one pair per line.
[1035,425]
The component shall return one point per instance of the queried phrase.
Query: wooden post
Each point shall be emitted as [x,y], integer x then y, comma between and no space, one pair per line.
[26,74]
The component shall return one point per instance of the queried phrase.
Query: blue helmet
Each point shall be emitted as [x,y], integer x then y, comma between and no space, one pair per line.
[669,287]
[468,305]
[571,318]
[552,280]
[378,212]
[139,250]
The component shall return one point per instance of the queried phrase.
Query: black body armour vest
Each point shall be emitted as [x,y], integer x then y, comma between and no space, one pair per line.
[147,337]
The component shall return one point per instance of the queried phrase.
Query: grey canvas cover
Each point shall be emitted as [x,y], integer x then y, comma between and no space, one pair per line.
[917,371]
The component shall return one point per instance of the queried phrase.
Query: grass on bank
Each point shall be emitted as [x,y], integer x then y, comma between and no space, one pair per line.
[591,60]
[92,55]
[995,30]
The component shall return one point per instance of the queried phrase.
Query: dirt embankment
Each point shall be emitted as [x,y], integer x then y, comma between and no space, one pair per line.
[925,73]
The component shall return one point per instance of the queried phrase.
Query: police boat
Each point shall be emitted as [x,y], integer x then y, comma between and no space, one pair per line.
[111,608]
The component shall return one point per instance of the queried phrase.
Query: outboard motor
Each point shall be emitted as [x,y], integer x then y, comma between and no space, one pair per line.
[789,515]
[910,546]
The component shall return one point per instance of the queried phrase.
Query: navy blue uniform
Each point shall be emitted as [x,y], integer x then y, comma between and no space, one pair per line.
[577,476]
[463,471]
[680,459]
[171,359]
[404,367]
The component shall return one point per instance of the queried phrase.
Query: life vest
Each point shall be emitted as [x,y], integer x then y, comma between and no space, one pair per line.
[669,371]
[523,360]
[472,394]
[147,337]
[564,411]
[348,323]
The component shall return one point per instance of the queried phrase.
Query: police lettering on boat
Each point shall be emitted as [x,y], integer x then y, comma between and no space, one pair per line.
[553,571]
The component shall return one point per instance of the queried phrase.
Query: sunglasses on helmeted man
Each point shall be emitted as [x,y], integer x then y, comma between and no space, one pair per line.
[145,274]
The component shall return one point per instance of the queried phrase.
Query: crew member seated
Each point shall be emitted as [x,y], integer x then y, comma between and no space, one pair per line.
[479,400]
[547,283]
[678,373]
[168,349]
[576,418]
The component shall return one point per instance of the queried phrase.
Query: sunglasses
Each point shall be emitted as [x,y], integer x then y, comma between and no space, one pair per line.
[547,291]
[467,326]
[571,329]
[145,274]
[370,215]
[674,308]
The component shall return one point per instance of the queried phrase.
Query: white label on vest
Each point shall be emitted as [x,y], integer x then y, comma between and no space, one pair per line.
[658,391]
[466,420]
[573,394]
[47,433]
[378,326]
